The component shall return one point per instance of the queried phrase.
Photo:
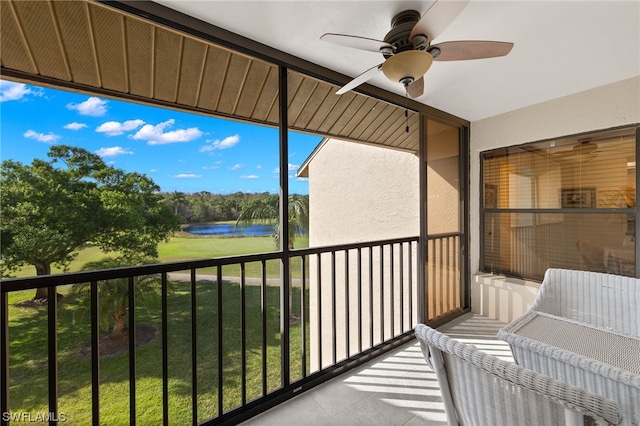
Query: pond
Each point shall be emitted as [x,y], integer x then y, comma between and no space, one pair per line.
[230,230]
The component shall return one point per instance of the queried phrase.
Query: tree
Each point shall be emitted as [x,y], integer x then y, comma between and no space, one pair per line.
[113,295]
[179,202]
[52,208]
[266,210]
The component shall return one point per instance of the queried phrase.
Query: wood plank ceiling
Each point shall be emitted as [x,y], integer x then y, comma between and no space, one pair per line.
[93,48]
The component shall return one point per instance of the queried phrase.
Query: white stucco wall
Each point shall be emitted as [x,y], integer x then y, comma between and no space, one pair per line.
[362,193]
[613,105]
[358,193]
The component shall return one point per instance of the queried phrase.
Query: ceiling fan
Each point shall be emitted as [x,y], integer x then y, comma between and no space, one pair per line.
[407,47]
[583,150]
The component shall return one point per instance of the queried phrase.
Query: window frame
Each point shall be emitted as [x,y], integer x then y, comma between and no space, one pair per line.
[484,155]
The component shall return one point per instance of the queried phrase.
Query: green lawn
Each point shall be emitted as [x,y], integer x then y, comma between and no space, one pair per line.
[28,344]
[186,248]
[28,357]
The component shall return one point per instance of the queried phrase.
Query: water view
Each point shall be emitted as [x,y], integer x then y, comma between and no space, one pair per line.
[230,230]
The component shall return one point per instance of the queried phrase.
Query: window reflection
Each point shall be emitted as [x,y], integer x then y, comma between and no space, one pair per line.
[544,205]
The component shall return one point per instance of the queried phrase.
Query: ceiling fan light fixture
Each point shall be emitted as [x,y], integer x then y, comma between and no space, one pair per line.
[407,66]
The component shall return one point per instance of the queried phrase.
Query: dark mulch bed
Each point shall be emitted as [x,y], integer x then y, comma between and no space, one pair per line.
[114,345]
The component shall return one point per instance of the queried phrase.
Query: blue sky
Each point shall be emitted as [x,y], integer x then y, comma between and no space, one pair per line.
[179,151]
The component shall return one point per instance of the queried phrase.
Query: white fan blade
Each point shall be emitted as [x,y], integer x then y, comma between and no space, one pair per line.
[367,75]
[362,43]
[437,18]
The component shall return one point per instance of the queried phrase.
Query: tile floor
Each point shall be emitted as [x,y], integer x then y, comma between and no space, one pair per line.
[395,389]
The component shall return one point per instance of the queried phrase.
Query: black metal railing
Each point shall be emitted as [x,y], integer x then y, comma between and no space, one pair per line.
[443,274]
[232,337]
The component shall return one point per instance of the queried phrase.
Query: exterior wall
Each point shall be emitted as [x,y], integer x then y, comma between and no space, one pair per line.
[360,192]
[357,193]
[608,106]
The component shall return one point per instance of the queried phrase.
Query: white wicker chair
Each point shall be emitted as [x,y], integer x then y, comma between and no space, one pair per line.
[601,300]
[598,301]
[480,389]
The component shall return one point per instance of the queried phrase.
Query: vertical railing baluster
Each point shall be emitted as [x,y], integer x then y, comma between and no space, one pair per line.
[401,262]
[346,304]
[263,306]
[381,293]
[454,274]
[52,337]
[95,355]
[319,303]
[359,295]
[333,306]
[243,331]
[194,349]
[371,327]
[392,283]
[132,351]
[220,342]
[447,273]
[441,276]
[436,281]
[165,350]
[456,267]
[433,296]
[410,267]
[303,312]
[4,352]
[285,319]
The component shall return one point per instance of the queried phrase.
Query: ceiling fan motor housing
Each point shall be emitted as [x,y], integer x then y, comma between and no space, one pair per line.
[409,60]
[398,36]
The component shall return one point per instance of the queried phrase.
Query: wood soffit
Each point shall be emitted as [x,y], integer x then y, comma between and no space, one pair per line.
[93,48]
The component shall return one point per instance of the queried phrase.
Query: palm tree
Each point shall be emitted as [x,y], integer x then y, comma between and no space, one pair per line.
[268,211]
[113,294]
[179,202]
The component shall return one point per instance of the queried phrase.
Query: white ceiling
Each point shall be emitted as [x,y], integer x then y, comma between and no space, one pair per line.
[561,47]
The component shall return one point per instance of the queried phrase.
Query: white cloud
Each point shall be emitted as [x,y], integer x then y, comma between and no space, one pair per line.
[10,91]
[225,143]
[153,170]
[75,126]
[250,177]
[93,106]
[210,167]
[258,166]
[41,137]
[235,167]
[113,151]
[302,179]
[290,167]
[155,135]
[186,176]
[114,128]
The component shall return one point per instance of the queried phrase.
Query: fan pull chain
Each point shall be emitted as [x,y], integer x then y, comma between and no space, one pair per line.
[406,114]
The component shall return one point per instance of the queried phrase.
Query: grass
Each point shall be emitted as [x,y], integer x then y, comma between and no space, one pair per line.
[184,247]
[28,344]
[28,357]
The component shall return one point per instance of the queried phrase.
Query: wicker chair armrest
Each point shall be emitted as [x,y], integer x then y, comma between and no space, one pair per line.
[600,299]
[571,358]
[564,394]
